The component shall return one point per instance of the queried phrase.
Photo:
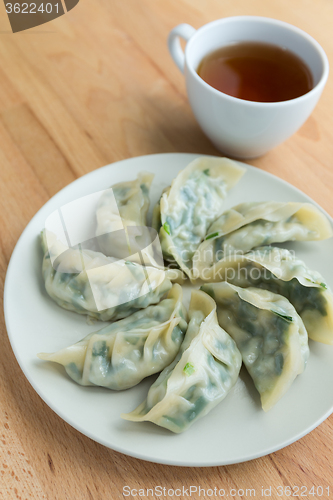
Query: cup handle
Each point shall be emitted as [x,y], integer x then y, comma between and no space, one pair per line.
[184,31]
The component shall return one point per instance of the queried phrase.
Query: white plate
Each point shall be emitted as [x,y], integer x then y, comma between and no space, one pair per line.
[235,431]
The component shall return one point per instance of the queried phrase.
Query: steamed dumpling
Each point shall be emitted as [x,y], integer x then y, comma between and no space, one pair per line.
[269,334]
[201,376]
[250,225]
[88,282]
[190,205]
[132,200]
[280,271]
[123,353]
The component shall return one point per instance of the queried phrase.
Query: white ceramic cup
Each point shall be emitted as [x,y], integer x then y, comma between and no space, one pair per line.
[240,128]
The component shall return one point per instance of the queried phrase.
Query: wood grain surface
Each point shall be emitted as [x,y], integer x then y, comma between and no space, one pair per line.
[96,86]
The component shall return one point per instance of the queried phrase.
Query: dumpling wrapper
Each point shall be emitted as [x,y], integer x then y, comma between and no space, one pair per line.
[189,206]
[200,377]
[120,355]
[135,242]
[280,271]
[132,199]
[84,278]
[254,224]
[268,332]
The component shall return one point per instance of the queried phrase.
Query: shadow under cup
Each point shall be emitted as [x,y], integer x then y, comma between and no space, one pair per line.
[247,129]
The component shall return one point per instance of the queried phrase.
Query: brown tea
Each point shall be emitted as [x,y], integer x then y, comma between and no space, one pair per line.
[256,71]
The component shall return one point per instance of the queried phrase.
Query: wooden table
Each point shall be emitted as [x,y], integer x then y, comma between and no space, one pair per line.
[96,86]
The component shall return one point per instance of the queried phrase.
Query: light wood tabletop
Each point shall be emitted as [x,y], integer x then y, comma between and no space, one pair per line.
[92,87]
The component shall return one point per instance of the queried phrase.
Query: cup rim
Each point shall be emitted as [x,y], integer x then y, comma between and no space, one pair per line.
[291,27]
